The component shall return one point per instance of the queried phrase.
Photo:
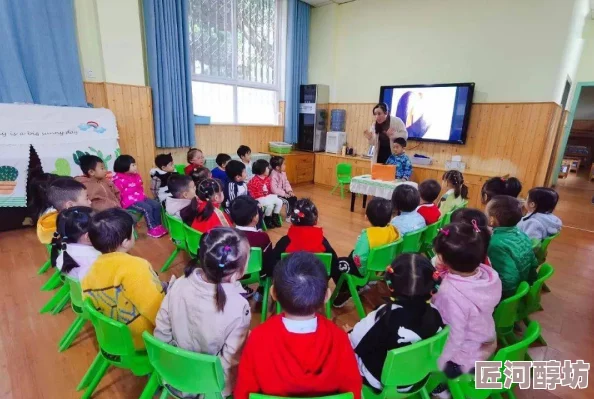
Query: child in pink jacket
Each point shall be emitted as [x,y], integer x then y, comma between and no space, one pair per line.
[280,184]
[129,182]
[466,299]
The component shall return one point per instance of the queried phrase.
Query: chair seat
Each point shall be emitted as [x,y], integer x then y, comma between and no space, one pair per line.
[344,180]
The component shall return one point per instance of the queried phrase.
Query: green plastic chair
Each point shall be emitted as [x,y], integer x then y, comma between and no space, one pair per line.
[413,241]
[408,366]
[192,240]
[447,218]
[326,259]
[346,395]
[379,258]
[180,168]
[506,315]
[463,387]
[58,301]
[541,253]
[178,237]
[56,280]
[116,348]
[531,302]
[428,237]
[48,263]
[184,371]
[252,276]
[77,304]
[344,174]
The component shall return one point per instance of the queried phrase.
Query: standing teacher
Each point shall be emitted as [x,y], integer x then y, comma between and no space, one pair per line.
[383,131]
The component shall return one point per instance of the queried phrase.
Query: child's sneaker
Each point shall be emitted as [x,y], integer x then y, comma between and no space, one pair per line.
[441,392]
[157,232]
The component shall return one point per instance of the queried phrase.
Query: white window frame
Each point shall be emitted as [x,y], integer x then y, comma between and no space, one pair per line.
[279,67]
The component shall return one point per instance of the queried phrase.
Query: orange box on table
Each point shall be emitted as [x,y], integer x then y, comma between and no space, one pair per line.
[383,172]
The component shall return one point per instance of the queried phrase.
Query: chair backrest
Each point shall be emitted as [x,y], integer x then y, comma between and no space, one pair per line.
[176,231]
[533,297]
[410,364]
[344,170]
[346,395]
[255,262]
[184,370]
[463,204]
[382,256]
[541,253]
[180,168]
[114,337]
[76,298]
[412,241]
[325,258]
[506,313]
[192,239]
[430,233]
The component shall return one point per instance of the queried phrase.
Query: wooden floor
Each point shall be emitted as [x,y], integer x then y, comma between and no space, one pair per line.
[31,367]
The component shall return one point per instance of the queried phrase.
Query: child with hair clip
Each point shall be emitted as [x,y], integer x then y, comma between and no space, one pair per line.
[72,251]
[475,217]
[500,186]
[406,318]
[204,311]
[132,196]
[195,159]
[540,223]
[457,191]
[200,173]
[466,299]
[204,214]
[280,184]
[304,233]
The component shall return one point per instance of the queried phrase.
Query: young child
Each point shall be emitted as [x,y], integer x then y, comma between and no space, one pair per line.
[237,175]
[204,214]
[62,193]
[429,191]
[122,286]
[304,234]
[456,193]
[160,176]
[195,159]
[183,191]
[204,311]
[381,232]
[400,159]
[280,184]
[200,173]
[245,154]
[129,182]
[540,223]
[101,190]
[510,249]
[466,300]
[406,318]
[298,353]
[72,252]
[500,186]
[259,187]
[405,200]
[219,172]
[244,213]
[475,216]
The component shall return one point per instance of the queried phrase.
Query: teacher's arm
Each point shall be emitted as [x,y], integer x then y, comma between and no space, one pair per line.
[397,128]
[370,135]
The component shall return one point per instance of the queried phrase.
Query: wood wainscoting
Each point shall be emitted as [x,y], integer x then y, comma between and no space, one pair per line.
[511,138]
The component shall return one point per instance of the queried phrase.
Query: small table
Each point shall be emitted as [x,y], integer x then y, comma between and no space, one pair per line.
[365,185]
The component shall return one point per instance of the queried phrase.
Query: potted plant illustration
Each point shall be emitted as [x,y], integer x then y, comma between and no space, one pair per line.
[8,177]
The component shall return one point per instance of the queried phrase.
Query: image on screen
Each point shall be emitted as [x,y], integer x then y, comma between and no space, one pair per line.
[432,113]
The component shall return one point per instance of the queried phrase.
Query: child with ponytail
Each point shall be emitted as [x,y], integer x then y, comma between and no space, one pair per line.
[72,251]
[510,186]
[406,318]
[203,213]
[456,192]
[204,311]
[540,223]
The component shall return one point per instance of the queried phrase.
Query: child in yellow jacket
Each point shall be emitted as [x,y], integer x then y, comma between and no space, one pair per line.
[122,286]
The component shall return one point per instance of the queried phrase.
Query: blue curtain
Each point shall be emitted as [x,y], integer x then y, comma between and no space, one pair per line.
[39,54]
[168,54]
[297,59]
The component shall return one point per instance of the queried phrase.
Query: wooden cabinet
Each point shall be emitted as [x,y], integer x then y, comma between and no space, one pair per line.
[300,166]
[325,169]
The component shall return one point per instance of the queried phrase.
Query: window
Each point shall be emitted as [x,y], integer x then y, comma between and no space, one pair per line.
[234,48]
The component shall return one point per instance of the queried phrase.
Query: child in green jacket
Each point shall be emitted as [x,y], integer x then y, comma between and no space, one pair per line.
[510,250]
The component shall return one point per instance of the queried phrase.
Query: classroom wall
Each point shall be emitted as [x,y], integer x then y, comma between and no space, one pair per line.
[585,71]
[515,51]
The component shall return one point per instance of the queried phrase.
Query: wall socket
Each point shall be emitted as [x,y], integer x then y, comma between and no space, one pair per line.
[90,74]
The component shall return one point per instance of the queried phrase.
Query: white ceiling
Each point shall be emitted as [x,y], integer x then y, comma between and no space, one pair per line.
[320,3]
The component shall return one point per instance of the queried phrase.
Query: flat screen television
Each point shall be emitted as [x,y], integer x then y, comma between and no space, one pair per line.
[436,113]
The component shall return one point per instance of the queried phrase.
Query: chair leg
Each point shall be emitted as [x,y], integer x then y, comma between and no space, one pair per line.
[62,304]
[45,267]
[278,308]
[56,299]
[164,394]
[71,333]
[328,307]
[455,390]
[265,299]
[541,340]
[424,394]
[170,260]
[545,287]
[510,394]
[341,191]
[86,380]
[151,387]
[356,299]
[102,369]
[53,282]
[334,189]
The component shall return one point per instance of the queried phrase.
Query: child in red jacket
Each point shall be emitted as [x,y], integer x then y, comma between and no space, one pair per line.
[260,188]
[299,352]
[203,213]
[429,191]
